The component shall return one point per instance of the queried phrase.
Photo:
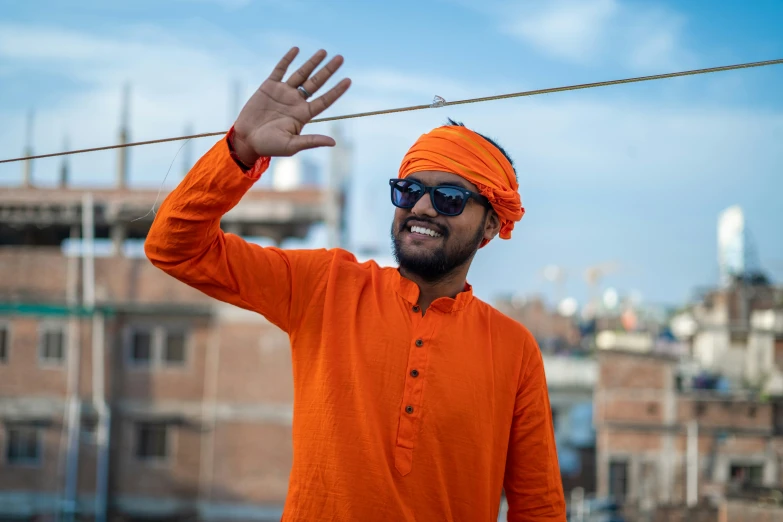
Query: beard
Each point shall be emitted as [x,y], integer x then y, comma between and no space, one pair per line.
[437,264]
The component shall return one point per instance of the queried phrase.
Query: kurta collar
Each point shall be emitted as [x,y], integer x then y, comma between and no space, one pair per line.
[409,291]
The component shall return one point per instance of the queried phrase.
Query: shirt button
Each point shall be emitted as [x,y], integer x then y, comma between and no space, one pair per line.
[419,342]
[414,373]
[408,409]
[416,308]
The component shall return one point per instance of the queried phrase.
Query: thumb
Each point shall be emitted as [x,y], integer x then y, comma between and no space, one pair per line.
[310,141]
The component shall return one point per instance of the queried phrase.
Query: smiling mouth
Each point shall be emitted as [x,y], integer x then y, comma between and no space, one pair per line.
[423,232]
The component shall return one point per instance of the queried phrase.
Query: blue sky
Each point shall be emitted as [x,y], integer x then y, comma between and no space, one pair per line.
[633,174]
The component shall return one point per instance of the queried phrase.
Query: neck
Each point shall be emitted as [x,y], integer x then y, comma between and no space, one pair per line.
[447,286]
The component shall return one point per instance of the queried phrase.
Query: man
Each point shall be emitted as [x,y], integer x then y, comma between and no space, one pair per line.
[413,400]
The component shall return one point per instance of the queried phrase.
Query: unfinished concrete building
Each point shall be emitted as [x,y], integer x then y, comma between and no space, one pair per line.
[124,394]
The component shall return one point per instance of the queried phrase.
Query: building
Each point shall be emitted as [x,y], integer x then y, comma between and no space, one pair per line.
[570,382]
[737,332]
[662,441]
[553,331]
[571,377]
[124,394]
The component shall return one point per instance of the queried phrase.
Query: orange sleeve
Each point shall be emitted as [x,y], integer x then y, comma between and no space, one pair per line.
[533,486]
[186,242]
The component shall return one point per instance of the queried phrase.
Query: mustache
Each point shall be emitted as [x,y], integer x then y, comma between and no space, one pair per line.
[437,228]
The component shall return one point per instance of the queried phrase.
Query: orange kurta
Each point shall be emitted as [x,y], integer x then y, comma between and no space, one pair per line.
[398,416]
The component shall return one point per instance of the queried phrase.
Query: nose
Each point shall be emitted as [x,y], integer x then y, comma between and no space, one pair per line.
[423,207]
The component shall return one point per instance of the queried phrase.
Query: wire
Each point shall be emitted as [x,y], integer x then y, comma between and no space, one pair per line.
[152,209]
[440,102]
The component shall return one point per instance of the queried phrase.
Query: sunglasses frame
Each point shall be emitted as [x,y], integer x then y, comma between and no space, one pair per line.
[431,191]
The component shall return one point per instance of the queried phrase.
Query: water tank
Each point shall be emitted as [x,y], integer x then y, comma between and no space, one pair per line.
[294,173]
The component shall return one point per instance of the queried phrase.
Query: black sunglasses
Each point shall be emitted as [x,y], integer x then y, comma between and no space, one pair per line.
[448,200]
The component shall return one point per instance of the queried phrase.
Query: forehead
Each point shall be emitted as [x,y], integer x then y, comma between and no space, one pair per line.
[434,178]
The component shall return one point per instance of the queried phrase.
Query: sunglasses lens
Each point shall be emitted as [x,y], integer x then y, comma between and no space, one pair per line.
[405,194]
[449,201]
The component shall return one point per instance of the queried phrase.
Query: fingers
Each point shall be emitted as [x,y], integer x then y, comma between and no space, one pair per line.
[323,102]
[316,81]
[282,65]
[298,78]
[309,141]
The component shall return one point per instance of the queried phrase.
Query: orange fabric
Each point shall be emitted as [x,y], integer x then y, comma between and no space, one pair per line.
[461,151]
[398,416]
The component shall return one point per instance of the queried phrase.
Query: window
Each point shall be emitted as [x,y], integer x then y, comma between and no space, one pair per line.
[141,346]
[779,352]
[777,418]
[749,474]
[618,480]
[89,430]
[52,344]
[157,346]
[151,441]
[23,445]
[174,349]
[5,342]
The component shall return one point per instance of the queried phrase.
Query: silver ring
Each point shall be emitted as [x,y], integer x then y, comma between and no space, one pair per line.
[304,92]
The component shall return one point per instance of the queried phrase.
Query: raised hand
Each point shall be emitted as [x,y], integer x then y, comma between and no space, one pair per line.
[271,122]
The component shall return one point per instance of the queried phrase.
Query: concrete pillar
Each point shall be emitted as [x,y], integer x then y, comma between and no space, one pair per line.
[771,471]
[665,460]
[119,233]
[634,475]
[602,463]
[721,471]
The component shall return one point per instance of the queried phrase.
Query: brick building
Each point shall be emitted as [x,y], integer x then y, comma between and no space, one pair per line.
[124,394]
[662,443]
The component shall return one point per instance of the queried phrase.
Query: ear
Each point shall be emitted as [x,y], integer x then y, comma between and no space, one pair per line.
[491,225]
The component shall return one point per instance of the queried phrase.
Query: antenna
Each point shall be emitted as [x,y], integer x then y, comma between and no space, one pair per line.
[122,152]
[27,165]
[64,166]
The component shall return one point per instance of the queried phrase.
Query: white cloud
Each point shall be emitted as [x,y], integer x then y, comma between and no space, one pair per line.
[568,29]
[596,32]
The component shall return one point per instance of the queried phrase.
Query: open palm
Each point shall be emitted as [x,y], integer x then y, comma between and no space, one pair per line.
[271,122]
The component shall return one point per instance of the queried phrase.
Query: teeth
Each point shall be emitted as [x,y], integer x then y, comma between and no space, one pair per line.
[422,230]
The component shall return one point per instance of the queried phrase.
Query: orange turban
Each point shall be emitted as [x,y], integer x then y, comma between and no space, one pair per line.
[461,151]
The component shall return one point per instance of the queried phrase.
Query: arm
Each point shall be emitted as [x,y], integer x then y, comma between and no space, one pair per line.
[186,240]
[532,483]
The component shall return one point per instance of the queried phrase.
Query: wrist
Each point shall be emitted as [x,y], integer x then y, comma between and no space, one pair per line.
[244,152]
